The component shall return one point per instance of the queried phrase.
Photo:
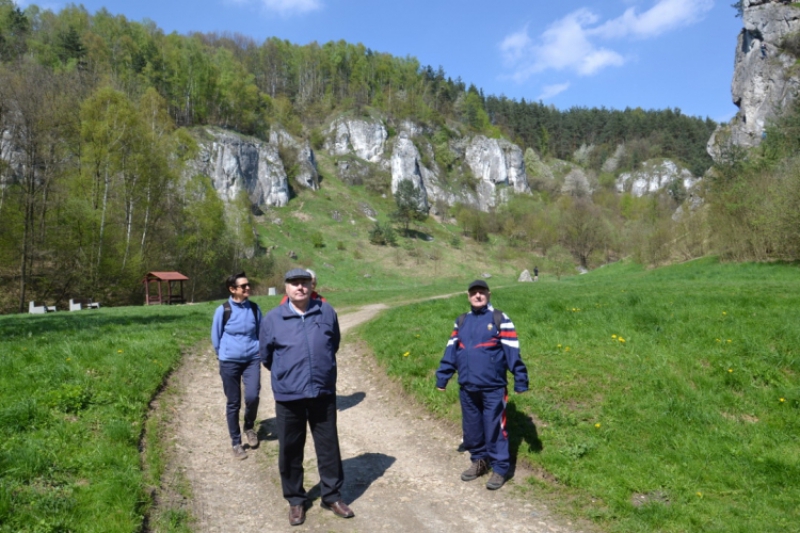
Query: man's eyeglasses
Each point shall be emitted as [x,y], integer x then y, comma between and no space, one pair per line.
[243,286]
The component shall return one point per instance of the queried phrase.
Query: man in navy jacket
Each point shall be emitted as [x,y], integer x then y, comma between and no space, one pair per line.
[482,349]
[298,342]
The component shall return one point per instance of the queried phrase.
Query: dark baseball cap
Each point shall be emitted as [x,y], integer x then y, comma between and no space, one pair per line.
[478,284]
[297,273]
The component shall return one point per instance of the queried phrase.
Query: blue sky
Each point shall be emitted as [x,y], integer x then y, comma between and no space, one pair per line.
[652,54]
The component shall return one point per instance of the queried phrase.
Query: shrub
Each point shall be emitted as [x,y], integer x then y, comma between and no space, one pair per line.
[382,234]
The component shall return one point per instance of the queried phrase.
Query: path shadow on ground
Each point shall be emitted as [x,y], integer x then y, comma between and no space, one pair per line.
[346,402]
[521,427]
[359,473]
[266,430]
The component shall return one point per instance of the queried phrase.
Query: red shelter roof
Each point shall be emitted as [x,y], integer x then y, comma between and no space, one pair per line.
[171,296]
[167,276]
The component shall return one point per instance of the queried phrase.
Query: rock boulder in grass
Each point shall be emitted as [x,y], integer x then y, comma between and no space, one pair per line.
[525,276]
[763,84]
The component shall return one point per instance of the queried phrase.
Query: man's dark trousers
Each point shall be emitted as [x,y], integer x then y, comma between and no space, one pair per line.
[233,373]
[320,415]
[483,422]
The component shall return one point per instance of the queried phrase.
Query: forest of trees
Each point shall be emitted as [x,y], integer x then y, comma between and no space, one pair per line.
[93,110]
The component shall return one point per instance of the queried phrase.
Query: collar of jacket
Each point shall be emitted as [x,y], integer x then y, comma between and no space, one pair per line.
[313,307]
[480,310]
[240,304]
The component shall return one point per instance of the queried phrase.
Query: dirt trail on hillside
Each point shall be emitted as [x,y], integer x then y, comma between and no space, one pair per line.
[402,470]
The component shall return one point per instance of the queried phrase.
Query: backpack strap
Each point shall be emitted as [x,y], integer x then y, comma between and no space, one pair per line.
[497,317]
[226,312]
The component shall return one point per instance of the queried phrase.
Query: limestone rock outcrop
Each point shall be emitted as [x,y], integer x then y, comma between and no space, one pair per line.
[497,161]
[406,164]
[764,80]
[236,163]
[364,138]
[653,176]
[307,174]
[493,162]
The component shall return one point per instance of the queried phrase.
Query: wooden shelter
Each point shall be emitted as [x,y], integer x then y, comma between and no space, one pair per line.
[171,296]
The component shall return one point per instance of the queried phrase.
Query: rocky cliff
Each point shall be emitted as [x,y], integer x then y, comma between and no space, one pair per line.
[656,175]
[495,164]
[236,163]
[765,79]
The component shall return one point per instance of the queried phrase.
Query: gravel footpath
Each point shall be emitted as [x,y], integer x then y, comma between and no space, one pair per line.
[402,470]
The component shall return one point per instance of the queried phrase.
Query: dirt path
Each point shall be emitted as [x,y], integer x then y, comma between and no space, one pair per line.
[401,467]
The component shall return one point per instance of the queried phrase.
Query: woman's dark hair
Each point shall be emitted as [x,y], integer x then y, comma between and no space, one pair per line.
[231,281]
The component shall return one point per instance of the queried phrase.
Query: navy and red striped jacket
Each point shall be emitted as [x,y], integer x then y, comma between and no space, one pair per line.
[482,355]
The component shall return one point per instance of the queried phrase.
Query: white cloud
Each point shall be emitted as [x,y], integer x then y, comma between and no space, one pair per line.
[515,45]
[564,45]
[292,7]
[665,15]
[553,90]
[574,42]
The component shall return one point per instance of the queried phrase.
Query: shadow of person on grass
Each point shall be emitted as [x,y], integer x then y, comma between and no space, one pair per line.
[521,427]
[346,402]
[359,473]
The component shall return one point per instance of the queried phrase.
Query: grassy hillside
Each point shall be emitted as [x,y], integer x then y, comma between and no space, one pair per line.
[664,400]
[434,253]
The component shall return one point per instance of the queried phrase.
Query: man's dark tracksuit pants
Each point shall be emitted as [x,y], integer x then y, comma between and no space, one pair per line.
[233,374]
[320,415]
[483,422]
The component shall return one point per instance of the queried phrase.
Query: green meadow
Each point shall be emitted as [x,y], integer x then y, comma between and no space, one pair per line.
[74,395]
[661,400]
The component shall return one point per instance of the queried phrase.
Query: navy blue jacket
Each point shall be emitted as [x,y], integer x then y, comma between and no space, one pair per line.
[482,355]
[300,351]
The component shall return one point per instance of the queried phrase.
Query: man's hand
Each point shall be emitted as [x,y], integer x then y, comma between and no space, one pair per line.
[437,388]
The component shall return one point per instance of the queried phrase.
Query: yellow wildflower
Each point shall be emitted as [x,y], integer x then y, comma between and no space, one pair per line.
[597,425]
[614,336]
[783,400]
[406,354]
[730,370]
[621,340]
[119,351]
[724,312]
[559,346]
[68,359]
[699,494]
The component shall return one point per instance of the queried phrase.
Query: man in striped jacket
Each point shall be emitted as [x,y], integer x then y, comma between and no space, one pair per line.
[483,348]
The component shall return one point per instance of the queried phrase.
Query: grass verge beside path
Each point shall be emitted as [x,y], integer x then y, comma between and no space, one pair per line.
[74,395]
[664,400]
[75,389]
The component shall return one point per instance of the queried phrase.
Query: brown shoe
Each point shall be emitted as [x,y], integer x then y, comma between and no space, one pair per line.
[339,508]
[297,514]
[475,470]
[252,438]
[238,452]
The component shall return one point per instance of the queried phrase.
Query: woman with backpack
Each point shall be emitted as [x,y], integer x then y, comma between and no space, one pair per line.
[234,335]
